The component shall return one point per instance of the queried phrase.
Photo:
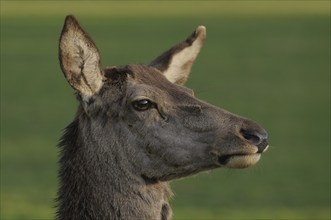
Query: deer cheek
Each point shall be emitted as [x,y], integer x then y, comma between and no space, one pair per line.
[198,124]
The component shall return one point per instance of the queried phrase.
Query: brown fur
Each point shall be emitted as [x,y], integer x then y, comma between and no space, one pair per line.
[135,130]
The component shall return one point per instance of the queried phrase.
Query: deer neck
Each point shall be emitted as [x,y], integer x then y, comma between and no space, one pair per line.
[97,182]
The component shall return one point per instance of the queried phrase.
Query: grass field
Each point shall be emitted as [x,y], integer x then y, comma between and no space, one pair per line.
[269,61]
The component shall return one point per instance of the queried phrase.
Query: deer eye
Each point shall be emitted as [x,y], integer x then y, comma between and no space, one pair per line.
[142,105]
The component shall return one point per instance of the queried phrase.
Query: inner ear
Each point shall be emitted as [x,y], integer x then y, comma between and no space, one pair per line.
[176,63]
[80,59]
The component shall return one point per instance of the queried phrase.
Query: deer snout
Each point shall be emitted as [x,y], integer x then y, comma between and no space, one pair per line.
[257,137]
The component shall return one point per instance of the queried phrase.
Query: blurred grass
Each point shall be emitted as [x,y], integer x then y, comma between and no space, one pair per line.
[269,61]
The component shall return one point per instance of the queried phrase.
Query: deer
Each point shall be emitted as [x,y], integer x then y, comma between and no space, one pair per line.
[138,127]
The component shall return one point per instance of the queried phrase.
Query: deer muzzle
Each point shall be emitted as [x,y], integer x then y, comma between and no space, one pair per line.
[252,142]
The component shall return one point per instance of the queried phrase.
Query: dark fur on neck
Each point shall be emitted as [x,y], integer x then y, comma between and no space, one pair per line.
[98,182]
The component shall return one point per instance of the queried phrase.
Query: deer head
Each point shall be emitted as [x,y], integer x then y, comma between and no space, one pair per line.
[166,131]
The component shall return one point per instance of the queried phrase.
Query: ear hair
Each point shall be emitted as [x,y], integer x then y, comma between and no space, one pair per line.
[176,63]
[80,59]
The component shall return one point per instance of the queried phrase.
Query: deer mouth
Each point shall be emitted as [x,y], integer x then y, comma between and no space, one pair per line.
[241,160]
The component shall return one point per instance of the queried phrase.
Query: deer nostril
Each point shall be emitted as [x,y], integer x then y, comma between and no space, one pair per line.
[254,137]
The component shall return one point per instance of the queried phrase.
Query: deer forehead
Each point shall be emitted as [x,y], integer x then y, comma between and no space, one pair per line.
[143,80]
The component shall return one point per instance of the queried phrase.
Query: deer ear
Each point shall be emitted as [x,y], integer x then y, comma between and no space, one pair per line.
[176,63]
[80,59]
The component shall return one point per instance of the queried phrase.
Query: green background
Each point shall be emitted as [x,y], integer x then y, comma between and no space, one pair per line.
[266,60]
